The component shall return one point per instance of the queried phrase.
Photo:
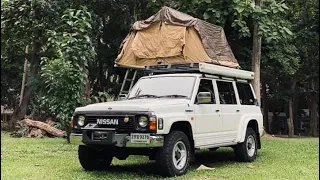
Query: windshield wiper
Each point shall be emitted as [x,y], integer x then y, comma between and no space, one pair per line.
[145,96]
[174,96]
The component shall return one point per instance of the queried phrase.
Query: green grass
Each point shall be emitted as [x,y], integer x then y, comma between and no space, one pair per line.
[52,158]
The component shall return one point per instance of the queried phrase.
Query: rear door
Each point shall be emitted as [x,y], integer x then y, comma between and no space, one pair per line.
[230,108]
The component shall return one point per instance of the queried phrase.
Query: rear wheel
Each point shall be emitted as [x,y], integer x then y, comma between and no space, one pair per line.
[94,159]
[174,157]
[247,150]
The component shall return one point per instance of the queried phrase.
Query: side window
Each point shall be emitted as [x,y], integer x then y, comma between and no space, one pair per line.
[245,94]
[226,92]
[207,86]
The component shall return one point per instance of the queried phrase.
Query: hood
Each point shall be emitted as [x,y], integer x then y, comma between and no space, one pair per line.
[132,105]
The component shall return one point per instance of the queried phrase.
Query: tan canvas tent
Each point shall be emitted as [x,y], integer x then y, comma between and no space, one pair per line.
[172,37]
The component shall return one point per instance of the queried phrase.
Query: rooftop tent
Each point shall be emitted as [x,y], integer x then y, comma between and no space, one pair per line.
[172,37]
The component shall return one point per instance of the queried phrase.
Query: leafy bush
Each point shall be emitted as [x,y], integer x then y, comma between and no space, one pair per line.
[65,75]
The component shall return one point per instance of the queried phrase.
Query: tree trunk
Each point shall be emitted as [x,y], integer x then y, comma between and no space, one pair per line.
[68,133]
[291,114]
[135,13]
[20,111]
[296,119]
[313,111]
[273,129]
[290,119]
[86,90]
[265,108]
[313,116]
[275,123]
[24,75]
[256,56]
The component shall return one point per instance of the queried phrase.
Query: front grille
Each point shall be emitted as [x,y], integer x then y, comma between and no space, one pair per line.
[121,124]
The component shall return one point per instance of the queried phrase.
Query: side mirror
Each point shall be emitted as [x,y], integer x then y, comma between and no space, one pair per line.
[204,97]
[122,97]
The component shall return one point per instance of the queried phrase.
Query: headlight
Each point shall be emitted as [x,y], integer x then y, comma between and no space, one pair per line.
[143,121]
[81,120]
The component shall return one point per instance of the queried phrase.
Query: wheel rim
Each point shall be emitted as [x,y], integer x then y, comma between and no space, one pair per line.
[179,155]
[251,145]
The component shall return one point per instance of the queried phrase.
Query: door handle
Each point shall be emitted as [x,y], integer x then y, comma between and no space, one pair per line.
[237,110]
[217,110]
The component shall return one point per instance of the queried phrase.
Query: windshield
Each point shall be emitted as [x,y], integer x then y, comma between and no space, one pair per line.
[165,86]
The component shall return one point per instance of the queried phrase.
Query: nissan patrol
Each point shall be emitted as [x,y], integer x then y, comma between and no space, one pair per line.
[170,114]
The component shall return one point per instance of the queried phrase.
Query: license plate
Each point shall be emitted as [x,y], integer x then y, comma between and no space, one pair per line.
[98,136]
[140,138]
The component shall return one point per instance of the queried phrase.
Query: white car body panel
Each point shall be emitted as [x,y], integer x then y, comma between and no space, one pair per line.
[213,125]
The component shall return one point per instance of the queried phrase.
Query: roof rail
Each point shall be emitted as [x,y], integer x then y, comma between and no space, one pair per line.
[205,68]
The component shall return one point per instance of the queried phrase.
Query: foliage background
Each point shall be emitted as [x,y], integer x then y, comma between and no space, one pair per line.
[73,45]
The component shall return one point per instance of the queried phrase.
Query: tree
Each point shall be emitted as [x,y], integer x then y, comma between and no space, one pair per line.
[25,23]
[256,55]
[65,75]
[305,17]
[280,62]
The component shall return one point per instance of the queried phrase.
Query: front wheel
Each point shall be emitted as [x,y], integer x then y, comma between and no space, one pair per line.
[247,150]
[94,159]
[174,157]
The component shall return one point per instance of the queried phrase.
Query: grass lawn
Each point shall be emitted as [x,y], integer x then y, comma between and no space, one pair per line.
[52,158]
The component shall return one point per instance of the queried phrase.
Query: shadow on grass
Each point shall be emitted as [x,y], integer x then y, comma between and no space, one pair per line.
[215,159]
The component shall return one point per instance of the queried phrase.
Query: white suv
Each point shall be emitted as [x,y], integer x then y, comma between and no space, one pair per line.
[170,115]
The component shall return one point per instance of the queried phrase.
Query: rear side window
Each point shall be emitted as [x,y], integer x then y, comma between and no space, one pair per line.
[245,94]
[226,92]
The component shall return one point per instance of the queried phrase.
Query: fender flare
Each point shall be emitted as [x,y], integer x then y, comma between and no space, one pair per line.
[243,129]
[170,121]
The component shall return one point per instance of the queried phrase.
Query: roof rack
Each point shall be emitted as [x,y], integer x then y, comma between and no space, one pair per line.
[173,68]
[204,68]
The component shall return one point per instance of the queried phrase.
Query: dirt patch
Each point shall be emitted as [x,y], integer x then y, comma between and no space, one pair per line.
[265,135]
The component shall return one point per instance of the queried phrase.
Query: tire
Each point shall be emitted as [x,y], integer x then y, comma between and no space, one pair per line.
[93,159]
[247,150]
[213,149]
[174,163]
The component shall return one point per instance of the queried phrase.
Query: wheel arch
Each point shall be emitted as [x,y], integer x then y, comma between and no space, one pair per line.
[186,128]
[183,126]
[252,123]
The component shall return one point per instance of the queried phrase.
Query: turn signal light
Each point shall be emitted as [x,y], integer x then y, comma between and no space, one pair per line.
[71,123]
[152,124]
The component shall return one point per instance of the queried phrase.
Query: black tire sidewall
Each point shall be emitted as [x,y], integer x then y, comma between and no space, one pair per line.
[165,157]
[93,159]
[251,132]
[187,144]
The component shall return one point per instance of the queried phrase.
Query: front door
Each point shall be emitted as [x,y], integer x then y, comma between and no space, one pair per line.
[208,120]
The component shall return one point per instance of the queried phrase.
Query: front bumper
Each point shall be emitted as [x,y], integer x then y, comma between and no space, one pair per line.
[119,140]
